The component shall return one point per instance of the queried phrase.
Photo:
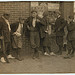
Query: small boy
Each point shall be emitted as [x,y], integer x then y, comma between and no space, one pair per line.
[47,34]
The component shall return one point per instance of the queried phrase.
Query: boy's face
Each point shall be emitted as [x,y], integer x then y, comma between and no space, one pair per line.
[34,14]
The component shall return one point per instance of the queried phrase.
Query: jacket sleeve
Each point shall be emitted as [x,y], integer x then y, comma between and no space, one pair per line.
[71,27]
[27,21]
[57,22]
[63,24]
[1,24]
[1,28]
[43,21]
[12,27]
[25,29]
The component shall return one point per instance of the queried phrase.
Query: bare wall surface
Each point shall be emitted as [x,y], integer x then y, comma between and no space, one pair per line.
[17,9]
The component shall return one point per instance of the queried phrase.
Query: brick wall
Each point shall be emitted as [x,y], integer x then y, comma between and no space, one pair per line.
[17,9]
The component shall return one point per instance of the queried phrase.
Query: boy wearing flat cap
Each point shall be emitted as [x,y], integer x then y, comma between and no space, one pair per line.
[33,25]
[70,37]
[46,34]
[60,23]
[17,35]
[5,31]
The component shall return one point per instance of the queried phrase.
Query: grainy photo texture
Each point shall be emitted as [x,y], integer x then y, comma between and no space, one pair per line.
[37,37]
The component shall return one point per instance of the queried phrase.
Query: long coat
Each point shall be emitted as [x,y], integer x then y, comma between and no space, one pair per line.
[16,41]
[59,26]
[71,31]
[45,27]
[4,30]
[45,23]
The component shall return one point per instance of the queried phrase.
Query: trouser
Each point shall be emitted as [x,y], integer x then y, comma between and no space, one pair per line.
[36,52]
[35,42]
[17,46]
[18,52]
[59,41]
[8,48]
[41,41]
[16,41]
[34,39]
[45,48]
[64,47]
[71,47]
[41,44]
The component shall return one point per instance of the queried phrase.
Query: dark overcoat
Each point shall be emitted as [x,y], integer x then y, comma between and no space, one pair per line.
[46,37]
[16,41]
[71,31]
[4,30]
[43,27]
[59,26]
[14,27]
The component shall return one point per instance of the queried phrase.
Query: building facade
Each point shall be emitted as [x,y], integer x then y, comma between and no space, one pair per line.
[23,9]
[19,9]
